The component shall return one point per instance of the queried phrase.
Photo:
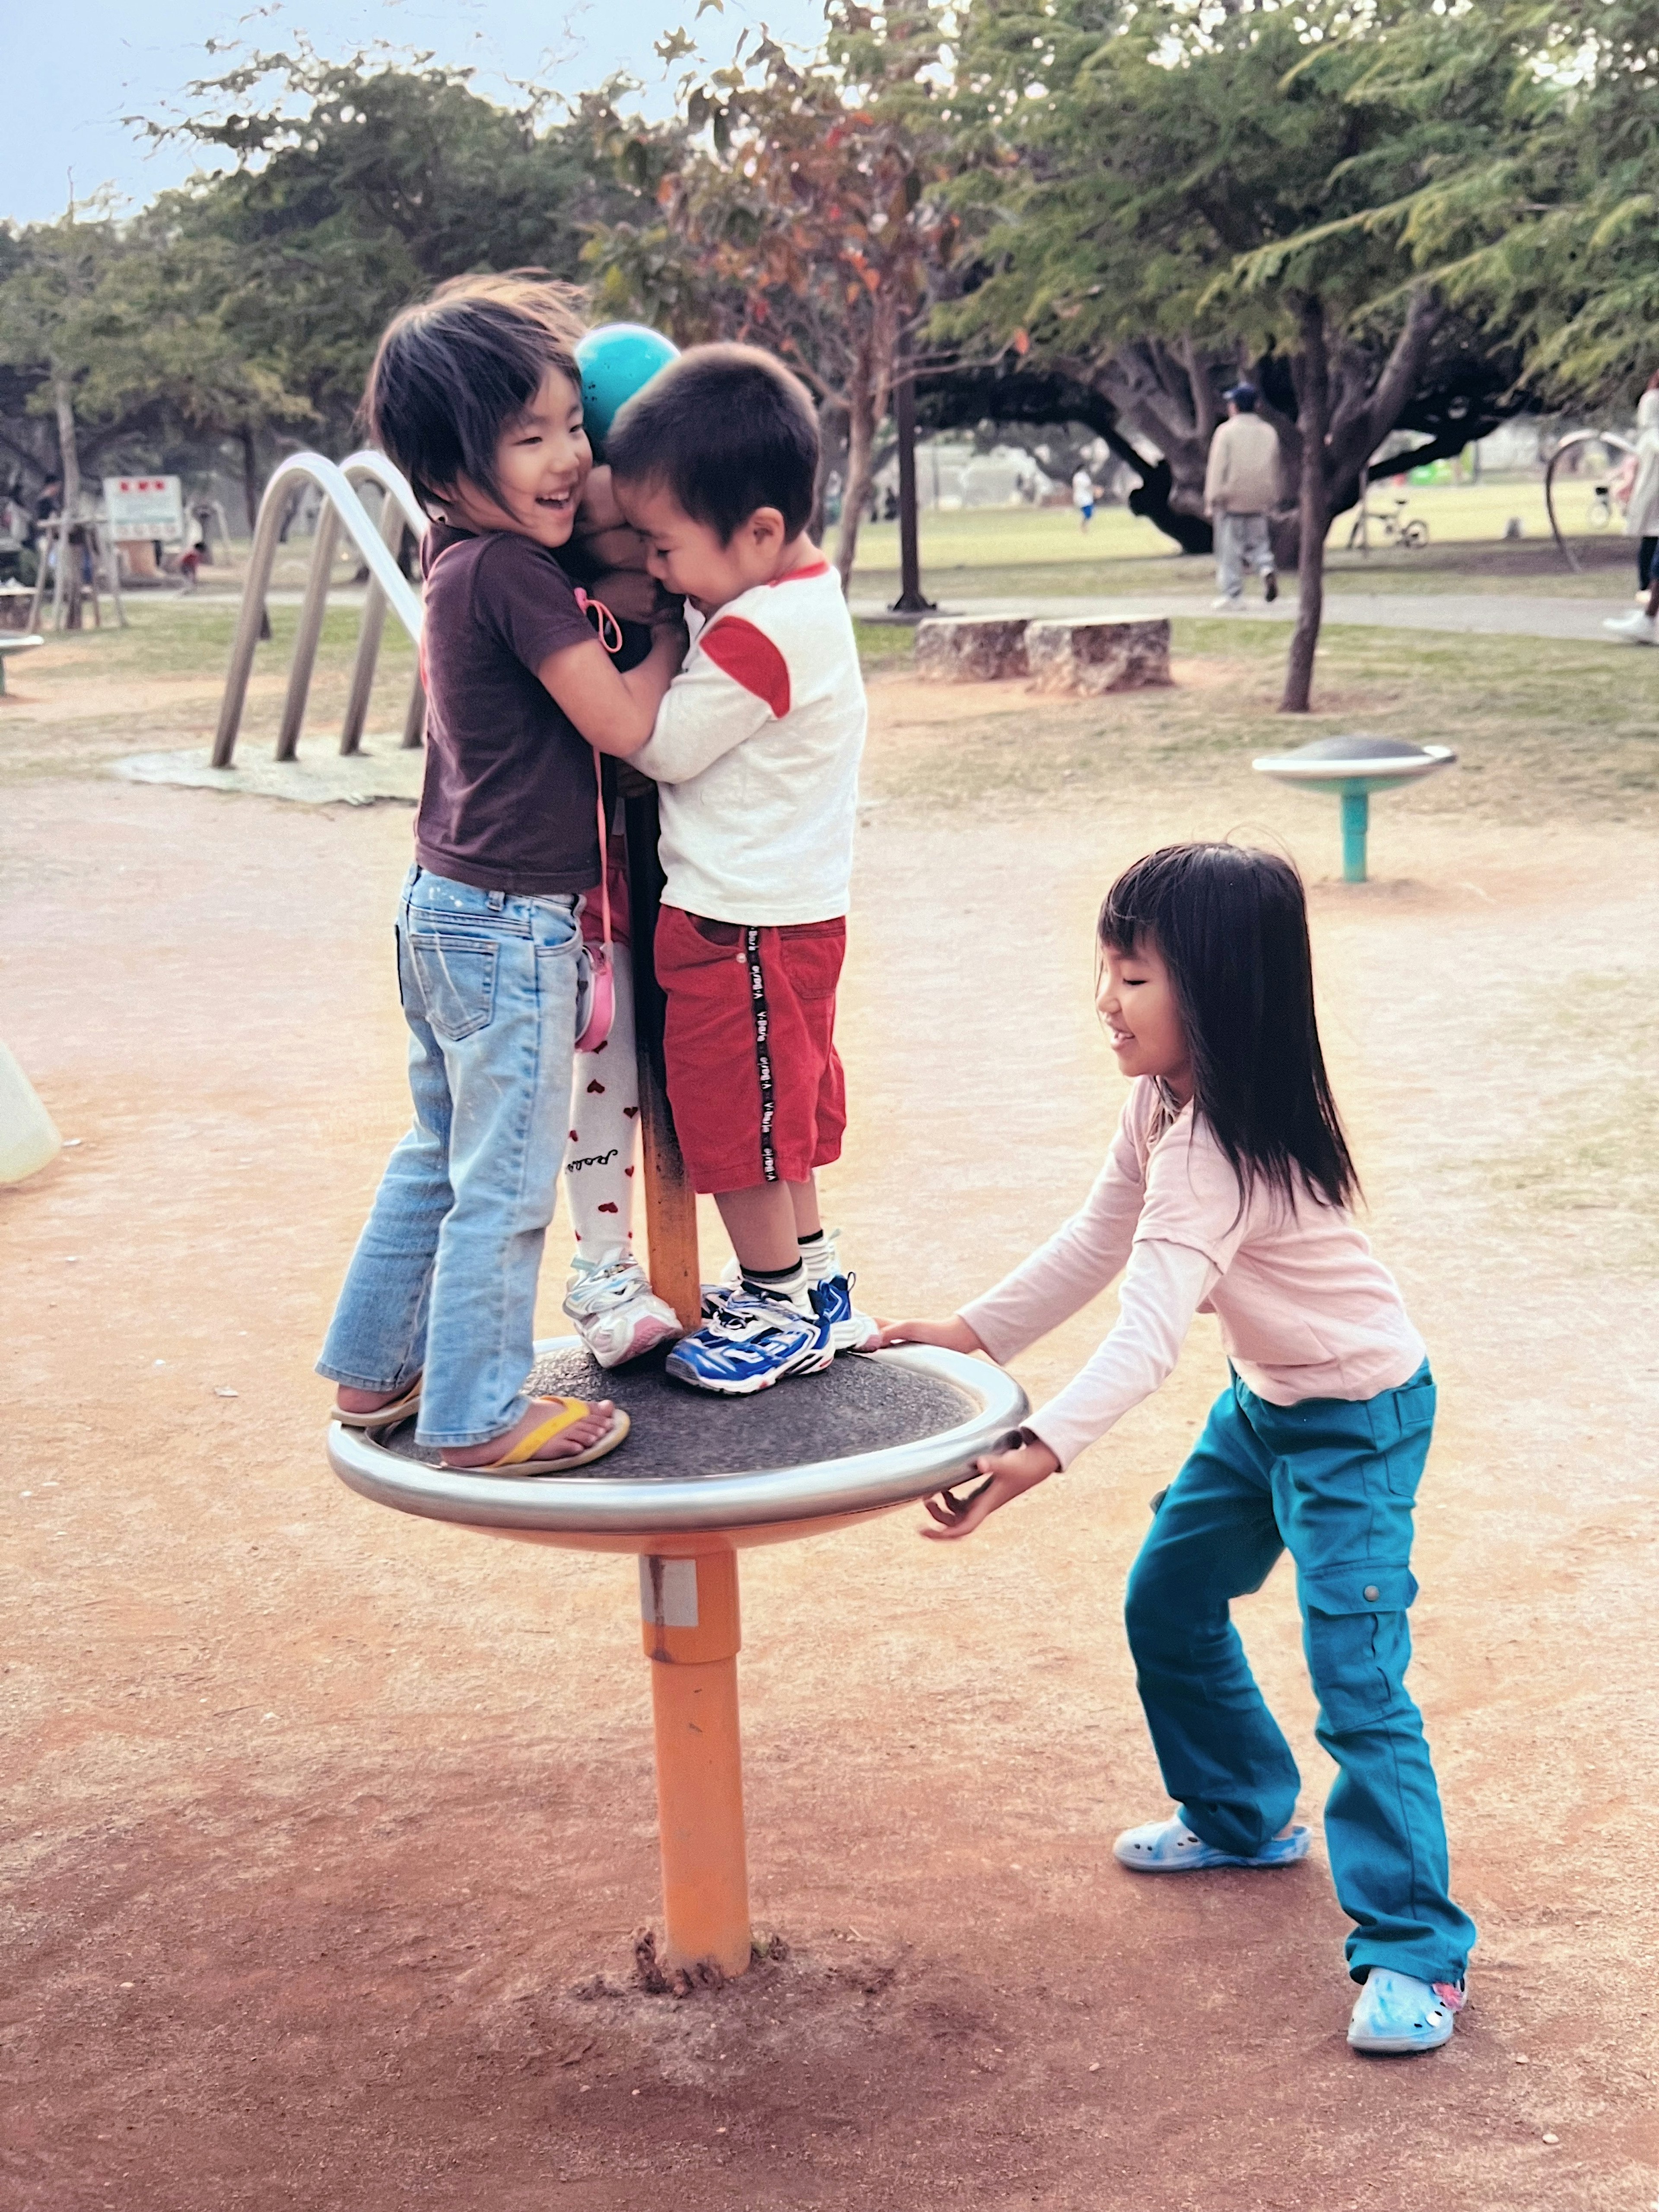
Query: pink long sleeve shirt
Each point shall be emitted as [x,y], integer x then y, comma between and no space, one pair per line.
[1306,1310]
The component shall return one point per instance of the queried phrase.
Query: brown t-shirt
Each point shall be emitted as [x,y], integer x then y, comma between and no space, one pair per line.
[507,802]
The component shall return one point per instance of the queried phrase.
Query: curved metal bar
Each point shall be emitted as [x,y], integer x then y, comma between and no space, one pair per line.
[368,467]
[300,469]
[399,511]
[1578,438]
[576,1506]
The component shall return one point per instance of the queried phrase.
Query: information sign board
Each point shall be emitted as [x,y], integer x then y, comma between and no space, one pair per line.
[145,508]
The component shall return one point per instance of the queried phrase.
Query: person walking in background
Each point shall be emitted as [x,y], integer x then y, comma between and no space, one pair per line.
[1082,497]
[1642,514]
[1240,486]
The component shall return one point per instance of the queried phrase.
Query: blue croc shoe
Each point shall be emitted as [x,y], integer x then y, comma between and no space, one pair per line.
[1397,2015]
[1170,1847]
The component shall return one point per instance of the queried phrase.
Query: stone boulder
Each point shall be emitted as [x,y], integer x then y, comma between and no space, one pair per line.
[972,648]
[1086,658]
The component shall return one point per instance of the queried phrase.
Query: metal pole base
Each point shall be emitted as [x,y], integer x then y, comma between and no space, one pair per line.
[1355,822]
[692,1633]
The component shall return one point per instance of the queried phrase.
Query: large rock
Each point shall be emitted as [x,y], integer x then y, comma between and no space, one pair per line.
[1086,658]
[972,648]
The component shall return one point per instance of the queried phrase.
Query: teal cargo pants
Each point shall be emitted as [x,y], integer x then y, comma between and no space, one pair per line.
[1332,1481]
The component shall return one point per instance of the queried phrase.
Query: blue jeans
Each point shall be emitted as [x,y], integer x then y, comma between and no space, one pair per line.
[1333,1481]
[443,1281]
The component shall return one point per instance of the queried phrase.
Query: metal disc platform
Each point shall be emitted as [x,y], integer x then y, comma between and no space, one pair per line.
[871,1432]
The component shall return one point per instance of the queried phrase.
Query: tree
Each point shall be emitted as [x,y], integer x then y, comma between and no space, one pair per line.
[358,186]
[1539,223]
[1177,180]
[805,209]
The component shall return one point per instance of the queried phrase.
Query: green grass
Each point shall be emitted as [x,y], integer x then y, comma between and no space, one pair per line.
[1043,537]
[1541,734]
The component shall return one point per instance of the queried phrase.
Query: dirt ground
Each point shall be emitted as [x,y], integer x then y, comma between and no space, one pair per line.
[326,1830]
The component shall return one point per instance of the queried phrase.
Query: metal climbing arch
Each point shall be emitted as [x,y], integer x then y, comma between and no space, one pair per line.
[341,509]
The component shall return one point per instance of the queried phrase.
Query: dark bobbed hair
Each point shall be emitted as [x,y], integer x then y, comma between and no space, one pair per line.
[726,430]
[453,371]
[1231,926]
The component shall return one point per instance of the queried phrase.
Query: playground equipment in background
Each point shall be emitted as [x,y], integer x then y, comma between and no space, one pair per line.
[28,1138]
[341,509]
[72,550]
[1600,512]
[10,644]
[700,1479]
[1351,768]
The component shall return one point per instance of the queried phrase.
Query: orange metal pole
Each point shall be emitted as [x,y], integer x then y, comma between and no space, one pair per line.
[689,1610]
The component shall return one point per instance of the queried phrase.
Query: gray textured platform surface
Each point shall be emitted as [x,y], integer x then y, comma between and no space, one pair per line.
[680,1435]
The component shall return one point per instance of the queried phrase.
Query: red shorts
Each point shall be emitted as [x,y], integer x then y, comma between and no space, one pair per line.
[750,1039]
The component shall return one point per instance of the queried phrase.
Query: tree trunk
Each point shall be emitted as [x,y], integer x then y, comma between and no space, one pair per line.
[250,486]
[861,473]
[68,462]
[1312,414]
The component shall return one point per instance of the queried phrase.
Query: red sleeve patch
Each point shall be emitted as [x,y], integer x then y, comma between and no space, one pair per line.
[749,657]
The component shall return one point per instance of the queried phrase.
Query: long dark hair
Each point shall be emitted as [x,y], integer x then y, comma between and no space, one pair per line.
[1231,924]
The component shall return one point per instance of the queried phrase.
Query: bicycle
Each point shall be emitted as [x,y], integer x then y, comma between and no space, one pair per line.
[1396,530]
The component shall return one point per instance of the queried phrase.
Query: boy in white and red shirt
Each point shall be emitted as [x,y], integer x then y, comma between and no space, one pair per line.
[757,749]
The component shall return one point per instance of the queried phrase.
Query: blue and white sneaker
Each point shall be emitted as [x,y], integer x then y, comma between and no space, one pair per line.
[828,1297]
[1170,1847]
[1396,2014]
[747,1342]
[832,1300]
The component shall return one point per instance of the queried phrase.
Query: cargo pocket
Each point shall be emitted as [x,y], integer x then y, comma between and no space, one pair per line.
[455,979]
[1358,1641]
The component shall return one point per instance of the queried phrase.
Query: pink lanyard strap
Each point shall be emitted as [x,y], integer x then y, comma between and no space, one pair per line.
[610,638]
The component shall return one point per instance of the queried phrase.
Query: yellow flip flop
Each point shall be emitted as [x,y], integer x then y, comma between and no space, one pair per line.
[522,1460]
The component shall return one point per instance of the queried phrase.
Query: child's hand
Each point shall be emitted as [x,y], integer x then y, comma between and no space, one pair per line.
[631,595]
[949,1335]
[1010,1474]
[597,508]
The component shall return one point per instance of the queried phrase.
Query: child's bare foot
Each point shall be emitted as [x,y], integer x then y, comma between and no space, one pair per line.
[544,1436]
[364,1401]
[371,1409]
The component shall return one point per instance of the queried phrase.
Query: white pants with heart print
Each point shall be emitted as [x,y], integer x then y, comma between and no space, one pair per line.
[604,1119]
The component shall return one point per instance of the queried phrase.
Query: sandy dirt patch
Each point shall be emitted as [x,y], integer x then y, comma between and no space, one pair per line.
[326,1830]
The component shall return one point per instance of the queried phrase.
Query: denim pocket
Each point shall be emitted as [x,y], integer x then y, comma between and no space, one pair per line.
[455,979]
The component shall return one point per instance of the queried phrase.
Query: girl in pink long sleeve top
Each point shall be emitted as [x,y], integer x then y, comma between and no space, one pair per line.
[1227,1191]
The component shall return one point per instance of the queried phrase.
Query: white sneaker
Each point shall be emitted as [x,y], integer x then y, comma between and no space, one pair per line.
[1639,628]
[617,1314]
[1226,606]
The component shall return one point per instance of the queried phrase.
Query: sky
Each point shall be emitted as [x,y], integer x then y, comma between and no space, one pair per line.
[66,95]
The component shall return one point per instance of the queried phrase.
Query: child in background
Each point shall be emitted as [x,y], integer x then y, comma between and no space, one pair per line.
[478,401]
[1227,1191]
[756,748]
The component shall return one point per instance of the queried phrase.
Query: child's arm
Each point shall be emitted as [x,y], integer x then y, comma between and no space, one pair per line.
[614,713]
[1164,1286]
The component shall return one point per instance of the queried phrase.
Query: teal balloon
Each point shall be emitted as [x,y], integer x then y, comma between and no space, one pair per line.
[616,360]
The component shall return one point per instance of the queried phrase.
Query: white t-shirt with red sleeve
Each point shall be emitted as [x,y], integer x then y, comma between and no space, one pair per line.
[757,751]
[1306,1308]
